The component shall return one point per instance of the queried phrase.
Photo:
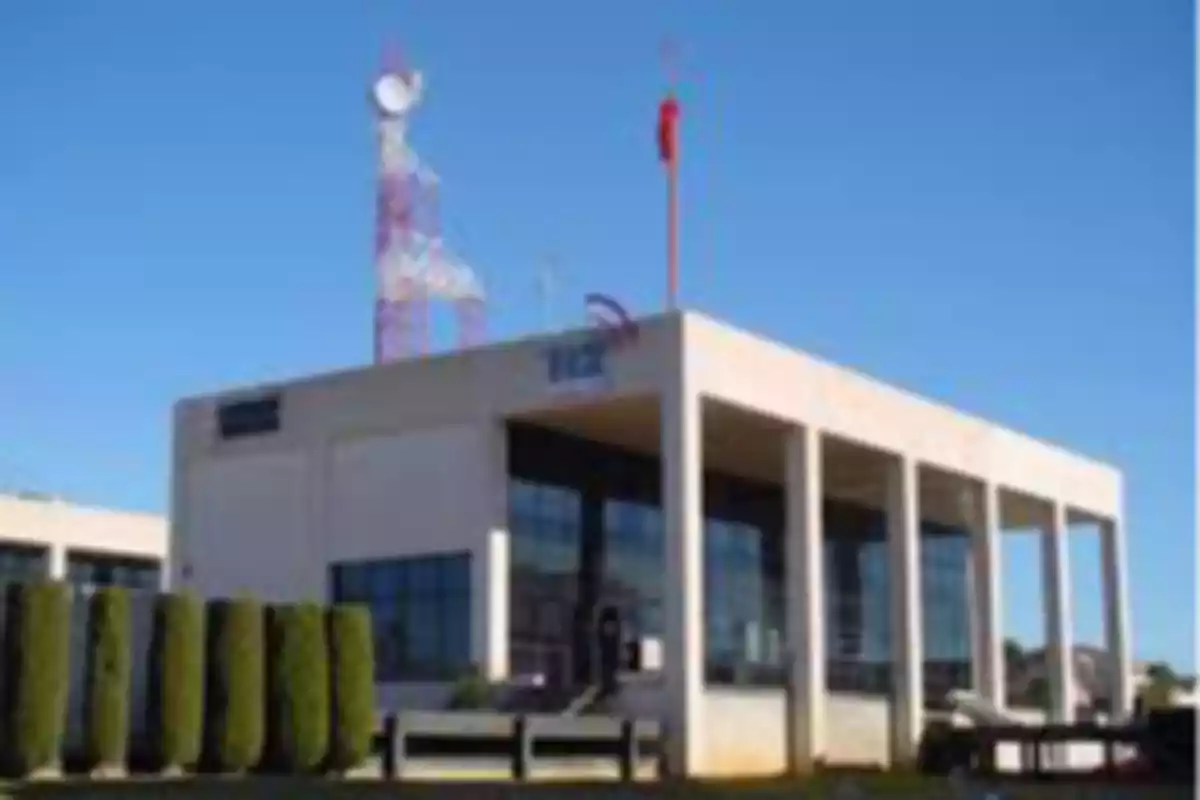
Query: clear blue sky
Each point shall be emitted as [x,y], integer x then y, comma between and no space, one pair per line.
[989,203]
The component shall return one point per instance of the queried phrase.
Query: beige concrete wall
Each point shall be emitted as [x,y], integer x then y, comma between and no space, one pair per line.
[61,527]
[746,734]
[250,531]
[856,730]
[397,460]
[777,381]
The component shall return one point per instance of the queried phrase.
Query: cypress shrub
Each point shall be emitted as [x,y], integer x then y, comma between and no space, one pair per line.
[36,653]
[175,681]
[234,690]
[106,678]
[297,687]
[352,677]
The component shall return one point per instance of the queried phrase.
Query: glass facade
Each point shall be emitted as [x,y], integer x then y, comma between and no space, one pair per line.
[22,563]
[858,605]
[633,564]
[545,559]
[420,613]
[92,570]
[587,531]
[744,624]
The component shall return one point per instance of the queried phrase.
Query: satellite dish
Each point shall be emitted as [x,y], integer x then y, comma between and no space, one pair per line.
[394,95]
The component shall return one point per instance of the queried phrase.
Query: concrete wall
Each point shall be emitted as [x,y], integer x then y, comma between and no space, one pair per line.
[746,732]
[404,494]
[780,382]
[62,527]
[250,530]
[857,730]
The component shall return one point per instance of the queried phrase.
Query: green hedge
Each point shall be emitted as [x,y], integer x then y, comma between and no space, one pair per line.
[352,678]
[36,646]
[297,687]
[234,690]
[106,678]
[175,681]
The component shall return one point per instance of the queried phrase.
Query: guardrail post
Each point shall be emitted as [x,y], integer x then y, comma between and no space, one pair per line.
[629,750]
[391,747]
[522,748]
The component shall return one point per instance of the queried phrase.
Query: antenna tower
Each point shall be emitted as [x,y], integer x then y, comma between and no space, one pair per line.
[414,267]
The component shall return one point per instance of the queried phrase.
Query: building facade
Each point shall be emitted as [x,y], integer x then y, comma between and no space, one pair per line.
[45,537]
[817,552]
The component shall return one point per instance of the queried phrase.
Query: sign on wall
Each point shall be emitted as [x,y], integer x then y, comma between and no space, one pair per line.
[583,364]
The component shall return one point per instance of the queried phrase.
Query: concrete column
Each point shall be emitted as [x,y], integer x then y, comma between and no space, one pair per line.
[1116,617]
[683,635]
[490,559]
[987,656]
[57,566]
[904,550]
[1056,586]
[805,596]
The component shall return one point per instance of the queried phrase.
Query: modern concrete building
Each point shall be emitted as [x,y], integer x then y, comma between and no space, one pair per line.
[45,537]
[817,552]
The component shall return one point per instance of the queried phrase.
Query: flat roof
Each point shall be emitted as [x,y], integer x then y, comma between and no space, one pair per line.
[728,365]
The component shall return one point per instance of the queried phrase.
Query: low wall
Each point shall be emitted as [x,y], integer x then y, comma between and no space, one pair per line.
[745,732]
[857,730]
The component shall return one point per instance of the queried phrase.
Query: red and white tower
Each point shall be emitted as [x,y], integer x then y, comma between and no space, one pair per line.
[414,267]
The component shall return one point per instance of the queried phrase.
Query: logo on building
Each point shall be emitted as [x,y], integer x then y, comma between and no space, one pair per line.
[581,364]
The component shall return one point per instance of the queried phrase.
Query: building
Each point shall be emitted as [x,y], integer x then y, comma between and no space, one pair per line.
[46,537]
[816,551]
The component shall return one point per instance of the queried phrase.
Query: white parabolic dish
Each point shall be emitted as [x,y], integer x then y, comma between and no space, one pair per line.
[394,95]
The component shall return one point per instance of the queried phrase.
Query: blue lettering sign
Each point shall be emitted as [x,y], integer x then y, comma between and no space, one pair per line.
[584,362]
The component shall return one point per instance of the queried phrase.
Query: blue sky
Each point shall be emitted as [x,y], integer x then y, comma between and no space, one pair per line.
[989,203]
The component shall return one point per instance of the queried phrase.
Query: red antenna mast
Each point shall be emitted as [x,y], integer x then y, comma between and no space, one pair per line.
[668,153]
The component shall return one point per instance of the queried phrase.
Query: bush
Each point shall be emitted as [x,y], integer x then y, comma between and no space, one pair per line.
[471,691]
[352,678]
[175,681]
[106,679]
[233,729]
[297,687]
[36,647]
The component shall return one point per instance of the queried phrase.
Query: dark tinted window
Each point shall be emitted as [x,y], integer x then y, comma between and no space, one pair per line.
[420,613]
[249,417]
[89,570]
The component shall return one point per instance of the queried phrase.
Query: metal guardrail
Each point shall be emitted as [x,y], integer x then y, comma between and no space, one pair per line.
[1032,741]
[521,739]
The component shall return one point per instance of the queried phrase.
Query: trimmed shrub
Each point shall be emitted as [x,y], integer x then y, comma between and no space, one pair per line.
[36,652]
[352,678]
[297,687]
[106,678]
[470,692]
[175,681]
[234,687]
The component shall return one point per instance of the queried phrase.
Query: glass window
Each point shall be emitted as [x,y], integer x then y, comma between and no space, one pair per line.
[89,570]
[420,612]
[633,564]
[744,622]
[22,563]
[546,544]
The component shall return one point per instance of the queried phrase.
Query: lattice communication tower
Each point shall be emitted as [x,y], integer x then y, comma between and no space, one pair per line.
[414,267]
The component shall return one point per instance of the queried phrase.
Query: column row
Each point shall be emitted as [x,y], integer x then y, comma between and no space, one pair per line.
[805,594]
